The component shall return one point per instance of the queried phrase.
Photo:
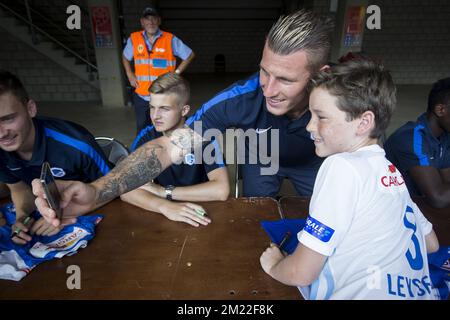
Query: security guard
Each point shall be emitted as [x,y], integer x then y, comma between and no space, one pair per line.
[154,53]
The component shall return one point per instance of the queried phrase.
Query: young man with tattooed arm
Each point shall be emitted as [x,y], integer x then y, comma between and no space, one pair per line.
[143,165]
[198,178]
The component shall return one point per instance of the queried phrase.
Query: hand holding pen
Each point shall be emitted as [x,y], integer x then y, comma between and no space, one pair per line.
[274,254]
[283,242]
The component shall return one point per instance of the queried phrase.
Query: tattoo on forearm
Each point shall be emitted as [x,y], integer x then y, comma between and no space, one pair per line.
[139,168]
[143,165]
[182,140]
[185,139]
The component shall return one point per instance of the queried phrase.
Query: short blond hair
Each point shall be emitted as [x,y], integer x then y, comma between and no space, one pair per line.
[302,30]
[172,83]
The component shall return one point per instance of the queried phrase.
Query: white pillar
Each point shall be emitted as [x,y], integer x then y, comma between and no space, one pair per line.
[105,28]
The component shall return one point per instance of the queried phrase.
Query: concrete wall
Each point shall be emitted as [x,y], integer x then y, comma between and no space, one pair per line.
[234,28]
[414,40]
[43,79]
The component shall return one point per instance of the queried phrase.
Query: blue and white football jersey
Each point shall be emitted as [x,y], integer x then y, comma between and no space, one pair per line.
[363,219]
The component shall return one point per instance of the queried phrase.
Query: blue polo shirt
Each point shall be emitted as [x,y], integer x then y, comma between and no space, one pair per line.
[242,105]
[414,144]
[191,171]
[70,149]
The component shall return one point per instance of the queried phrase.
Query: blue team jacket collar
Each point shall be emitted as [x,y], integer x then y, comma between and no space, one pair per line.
[302,122]
[40,145]
[292,125]
[424,121]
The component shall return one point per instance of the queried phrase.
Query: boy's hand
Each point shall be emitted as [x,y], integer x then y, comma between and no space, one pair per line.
[185,212]
[270,257]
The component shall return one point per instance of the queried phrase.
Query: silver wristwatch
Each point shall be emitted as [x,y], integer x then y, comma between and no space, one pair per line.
[169,190]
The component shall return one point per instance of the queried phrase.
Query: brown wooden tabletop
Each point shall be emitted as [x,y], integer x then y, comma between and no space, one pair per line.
[298,207]
[140,255]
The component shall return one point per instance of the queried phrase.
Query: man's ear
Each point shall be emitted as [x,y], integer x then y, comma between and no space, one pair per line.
[366,123]
[31,108]
[185,110]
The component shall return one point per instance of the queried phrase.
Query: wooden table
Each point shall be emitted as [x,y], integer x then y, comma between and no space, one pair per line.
[140,255]
[298,207]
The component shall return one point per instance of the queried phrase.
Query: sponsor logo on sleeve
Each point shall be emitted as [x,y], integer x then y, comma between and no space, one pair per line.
[318,229]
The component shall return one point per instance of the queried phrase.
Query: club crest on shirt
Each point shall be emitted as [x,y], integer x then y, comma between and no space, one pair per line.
[58,172]
[14,169]
[189,159]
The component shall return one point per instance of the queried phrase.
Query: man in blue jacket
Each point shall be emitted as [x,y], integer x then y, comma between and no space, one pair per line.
[26,141]
[421,149]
